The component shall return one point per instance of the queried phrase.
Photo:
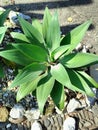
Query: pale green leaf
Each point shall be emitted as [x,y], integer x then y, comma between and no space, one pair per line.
[43,90]
[75,36]
[29,72]
[46,22]
[70,79]
[78,81]
[16,56]
[37,25]
[58,95]
[89,78]
[31,32]
[57,53]
[75,60]
[36,53]
[2,33]
[19,37]
[53,33]
[27,88]
[60,74]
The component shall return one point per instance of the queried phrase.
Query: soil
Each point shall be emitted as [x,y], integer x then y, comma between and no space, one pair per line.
[78,11]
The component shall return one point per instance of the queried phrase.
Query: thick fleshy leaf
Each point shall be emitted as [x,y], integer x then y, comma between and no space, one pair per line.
[60,74]
[19,37]
[3,17]
[75,60]
[89,78]
[2,33]
[36,53]
[16,56]
[76,35]
[70,79]
[59,51]
[37,25]
[43,90]
[29,72]
[1,71]
[46,22]
[27,88]
[58,95]
[53,33]
[31,32]
[78,81]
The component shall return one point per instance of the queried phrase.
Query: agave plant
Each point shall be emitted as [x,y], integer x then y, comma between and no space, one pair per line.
[3,29]
[48,63]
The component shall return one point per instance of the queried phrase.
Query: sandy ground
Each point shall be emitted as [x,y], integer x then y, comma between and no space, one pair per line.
[78,10]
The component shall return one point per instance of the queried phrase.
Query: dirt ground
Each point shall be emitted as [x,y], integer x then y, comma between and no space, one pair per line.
[78,10]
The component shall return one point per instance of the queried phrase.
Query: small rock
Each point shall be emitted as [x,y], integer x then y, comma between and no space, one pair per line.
[69,124]
[32,114]
[94,75]
[94,72]
[3,114]
[36,126]
[73,105]
[13,16]
[17,111]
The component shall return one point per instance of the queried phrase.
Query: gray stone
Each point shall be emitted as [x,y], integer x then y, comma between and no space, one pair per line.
[36,126]
[17,111]
[69,124]
[32,114]
[73,105]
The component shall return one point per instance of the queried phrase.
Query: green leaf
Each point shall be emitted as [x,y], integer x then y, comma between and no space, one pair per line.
[37,25]
[70,79]
[27,88]
[43,90]
[1,71]
[76,60]
[46,22]
[2,33]
[88,78]
[36,53]
[76,35]
[29,72]
[31,32]
[57,53]
[78,81]
[60,74]
[19,37]
[3,17]
[53,33]
[58,95]
[16,56]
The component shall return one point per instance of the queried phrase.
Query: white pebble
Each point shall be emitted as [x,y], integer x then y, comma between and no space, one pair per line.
[32,114]
[36,126]
[72,105]
[69,124]
[17,111]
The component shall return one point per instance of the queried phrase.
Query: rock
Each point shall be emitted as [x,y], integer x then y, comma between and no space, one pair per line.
[3,114]
[94,72]
[13,16]
[36,126]
[69,124]
[73,105]
[17,111]
[94,75]
[32,114]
